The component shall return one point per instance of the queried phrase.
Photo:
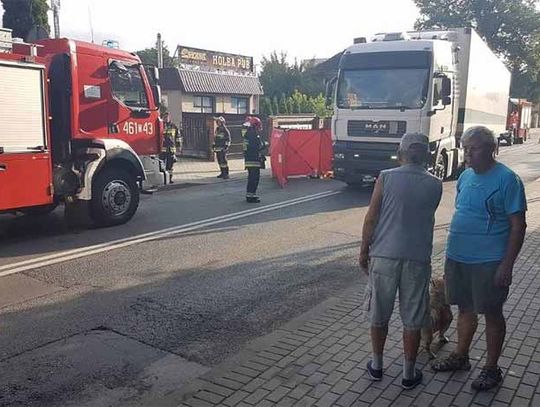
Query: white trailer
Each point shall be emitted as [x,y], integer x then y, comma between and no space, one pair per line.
[439,83]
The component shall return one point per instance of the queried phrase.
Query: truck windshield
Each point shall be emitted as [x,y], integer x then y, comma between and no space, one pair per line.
[392,88]
[128,87]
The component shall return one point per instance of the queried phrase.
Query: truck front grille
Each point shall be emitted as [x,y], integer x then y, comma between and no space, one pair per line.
[383,128]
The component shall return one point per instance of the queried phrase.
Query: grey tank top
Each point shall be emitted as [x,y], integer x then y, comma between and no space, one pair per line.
[404,230]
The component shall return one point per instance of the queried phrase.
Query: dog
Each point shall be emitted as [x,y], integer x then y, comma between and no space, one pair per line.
[440,315]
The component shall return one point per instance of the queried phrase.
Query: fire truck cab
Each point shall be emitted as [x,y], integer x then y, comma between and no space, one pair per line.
[80,125]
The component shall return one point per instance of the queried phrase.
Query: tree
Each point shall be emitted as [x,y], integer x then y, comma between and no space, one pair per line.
[266,107]
[319,107]
[275,105]
[284,105]
[278,76]
[23,15]
[510,27]
[149,57]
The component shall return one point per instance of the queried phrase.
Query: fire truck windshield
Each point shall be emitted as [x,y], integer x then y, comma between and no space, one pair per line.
[128,87]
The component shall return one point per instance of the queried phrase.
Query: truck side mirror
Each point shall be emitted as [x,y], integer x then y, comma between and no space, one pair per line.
[446,90]
[330,84]
[156,88]
[156,92]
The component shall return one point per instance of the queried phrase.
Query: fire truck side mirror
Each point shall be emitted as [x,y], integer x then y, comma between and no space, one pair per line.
[155,74]
[153,77]
[156,92]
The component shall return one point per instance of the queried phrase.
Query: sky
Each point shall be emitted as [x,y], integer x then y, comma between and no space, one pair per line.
[301,28]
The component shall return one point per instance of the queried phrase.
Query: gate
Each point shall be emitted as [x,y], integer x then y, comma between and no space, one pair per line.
[196,135]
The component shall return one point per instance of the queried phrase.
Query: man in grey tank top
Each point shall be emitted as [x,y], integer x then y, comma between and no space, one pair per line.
[397,240]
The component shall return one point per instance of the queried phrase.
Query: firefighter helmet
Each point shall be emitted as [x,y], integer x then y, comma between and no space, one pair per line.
[252,121]
[220,119]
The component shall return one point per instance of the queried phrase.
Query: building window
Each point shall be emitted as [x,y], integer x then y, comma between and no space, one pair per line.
[203,104]
[239,105]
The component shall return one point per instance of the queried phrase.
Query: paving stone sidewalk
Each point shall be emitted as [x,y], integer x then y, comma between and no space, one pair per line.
[320,358]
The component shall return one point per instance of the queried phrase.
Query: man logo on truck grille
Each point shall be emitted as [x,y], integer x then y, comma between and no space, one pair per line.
[376,127]
[370,128]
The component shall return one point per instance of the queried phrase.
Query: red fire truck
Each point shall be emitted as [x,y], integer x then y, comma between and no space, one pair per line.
[518,121]
[79,125]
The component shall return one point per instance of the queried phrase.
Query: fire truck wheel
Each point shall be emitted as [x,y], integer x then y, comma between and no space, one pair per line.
[115,197]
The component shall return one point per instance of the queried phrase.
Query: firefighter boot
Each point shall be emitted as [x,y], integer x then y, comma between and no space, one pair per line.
[225,174]
[170,178]
[252,198]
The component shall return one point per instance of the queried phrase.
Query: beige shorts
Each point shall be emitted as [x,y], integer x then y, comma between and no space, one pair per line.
[390,276]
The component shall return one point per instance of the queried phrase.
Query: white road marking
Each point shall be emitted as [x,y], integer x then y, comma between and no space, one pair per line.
[67,255]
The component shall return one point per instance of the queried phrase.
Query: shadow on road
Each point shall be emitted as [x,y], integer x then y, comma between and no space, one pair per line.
[26,236]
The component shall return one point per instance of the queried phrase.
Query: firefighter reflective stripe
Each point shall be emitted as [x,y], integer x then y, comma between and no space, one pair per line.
[253,164]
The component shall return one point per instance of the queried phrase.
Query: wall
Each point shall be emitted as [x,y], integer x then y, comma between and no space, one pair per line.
[173,101]
[222,104]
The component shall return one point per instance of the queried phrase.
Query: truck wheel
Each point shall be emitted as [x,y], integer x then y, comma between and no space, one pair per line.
[115,197]
[441,167]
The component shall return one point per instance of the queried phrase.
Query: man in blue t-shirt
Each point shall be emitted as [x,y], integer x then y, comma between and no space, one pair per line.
[486,235]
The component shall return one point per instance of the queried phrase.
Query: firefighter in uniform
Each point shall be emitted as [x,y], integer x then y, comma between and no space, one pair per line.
[168,150]
[221,147]
[253,156]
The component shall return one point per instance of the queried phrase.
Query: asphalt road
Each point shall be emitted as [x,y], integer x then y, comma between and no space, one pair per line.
[105,316]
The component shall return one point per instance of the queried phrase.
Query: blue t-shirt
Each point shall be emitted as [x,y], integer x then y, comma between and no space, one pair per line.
[480,227]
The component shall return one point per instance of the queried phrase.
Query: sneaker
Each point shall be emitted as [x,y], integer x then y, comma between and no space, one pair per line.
[374,374]
[220,176]
[409,384]
[253,199]
[488,379]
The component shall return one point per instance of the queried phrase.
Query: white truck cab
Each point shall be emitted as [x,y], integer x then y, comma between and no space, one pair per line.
[437,83]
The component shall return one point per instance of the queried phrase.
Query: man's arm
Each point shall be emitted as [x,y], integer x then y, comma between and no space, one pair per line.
[370,222]
[518,225]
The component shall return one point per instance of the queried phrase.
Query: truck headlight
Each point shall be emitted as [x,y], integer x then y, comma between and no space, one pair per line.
[339,156]
[394,157]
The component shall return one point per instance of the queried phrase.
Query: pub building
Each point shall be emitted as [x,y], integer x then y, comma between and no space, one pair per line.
[208,84]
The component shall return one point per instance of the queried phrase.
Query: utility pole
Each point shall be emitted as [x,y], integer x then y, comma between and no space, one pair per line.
[55,5]
[159,48]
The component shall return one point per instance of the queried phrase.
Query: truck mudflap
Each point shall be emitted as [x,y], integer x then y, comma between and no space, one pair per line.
[155,174]
[356,163]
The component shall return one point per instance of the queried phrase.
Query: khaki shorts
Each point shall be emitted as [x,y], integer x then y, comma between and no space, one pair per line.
[410,279]
[472,286]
